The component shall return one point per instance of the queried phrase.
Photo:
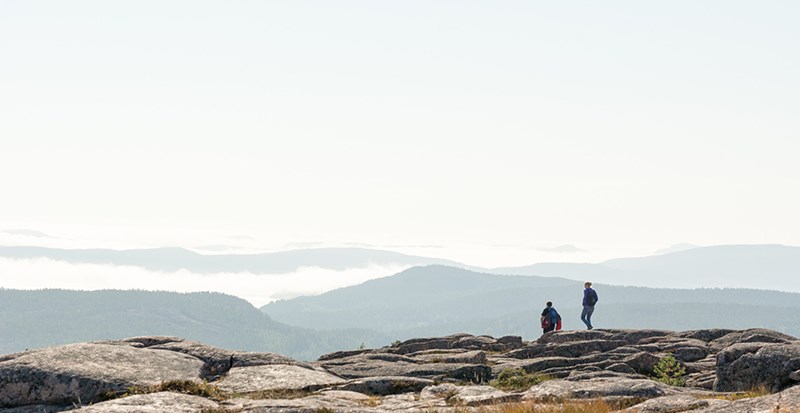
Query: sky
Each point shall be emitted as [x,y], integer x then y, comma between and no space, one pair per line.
[479,131]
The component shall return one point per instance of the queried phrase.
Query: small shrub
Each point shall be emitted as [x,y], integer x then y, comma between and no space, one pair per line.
[517,380]
[670,371]
[396,343]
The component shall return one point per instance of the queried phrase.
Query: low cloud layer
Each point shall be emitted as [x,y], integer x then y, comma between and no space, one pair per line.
[258,289]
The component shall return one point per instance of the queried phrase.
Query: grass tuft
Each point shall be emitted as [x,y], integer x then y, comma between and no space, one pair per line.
[517,380]
[590,406]
[759,391]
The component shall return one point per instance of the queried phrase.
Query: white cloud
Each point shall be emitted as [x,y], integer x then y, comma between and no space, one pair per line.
[258,289]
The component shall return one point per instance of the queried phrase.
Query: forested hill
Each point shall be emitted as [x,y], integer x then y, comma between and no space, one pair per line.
[33,319]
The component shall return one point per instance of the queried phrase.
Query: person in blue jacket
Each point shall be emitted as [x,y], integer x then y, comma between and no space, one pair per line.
[549,318]
[589,300]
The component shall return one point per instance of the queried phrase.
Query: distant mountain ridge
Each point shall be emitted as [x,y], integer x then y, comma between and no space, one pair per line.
[438,300]
[770,267]
[173,259]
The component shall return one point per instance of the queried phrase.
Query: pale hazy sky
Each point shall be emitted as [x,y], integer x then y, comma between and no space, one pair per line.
[522,123]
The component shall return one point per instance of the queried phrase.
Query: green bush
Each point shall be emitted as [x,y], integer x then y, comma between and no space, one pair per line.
[517,380]
[670,371]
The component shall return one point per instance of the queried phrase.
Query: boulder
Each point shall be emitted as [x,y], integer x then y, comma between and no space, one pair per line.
[706,335]
[419,344]
[88,372]
[439,391]
[689,354]
[642,363]
[755,335]
[217,360]
[383,386]
[512,341]
[606,388]
[739,368]
[474,342]
[581,348]
[621,368]
[637,336]
[275,377]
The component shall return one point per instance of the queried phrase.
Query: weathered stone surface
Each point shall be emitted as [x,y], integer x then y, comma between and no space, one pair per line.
[642,363]
[578,375]
[383,386]
[755,335]
[310,404]
[528,352]
[637,336]
[85,372]
[467,357]
[482,396]
[379,368]
[706,335]
[217,360]
[162,402]
[787,401]
[342,354]
[614,365]
[772,365]
[689,354]
[415,345]
[346,395]
[439,391]
[36,409]
[607,388]
[474,342]
[275,377]
[511,340]
[669,404]
[574,335]
[621,368]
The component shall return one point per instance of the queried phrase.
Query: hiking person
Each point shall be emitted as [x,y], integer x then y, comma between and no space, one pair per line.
[589,300]
[550,318]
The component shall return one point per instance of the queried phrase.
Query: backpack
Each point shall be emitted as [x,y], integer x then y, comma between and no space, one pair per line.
[558,320]
[592,298]
[548,321]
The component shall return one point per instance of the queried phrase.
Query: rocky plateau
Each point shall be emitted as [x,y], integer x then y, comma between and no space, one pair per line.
[752,370]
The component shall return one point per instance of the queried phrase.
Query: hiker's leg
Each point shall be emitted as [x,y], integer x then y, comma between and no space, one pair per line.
[583,316]
[589,313]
